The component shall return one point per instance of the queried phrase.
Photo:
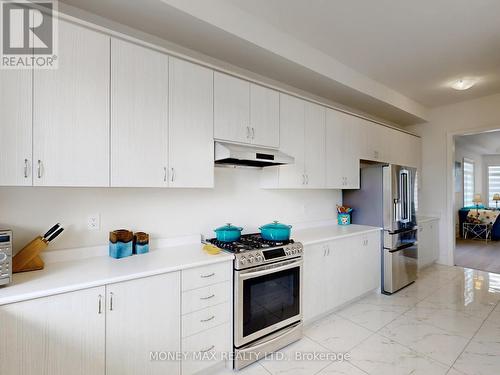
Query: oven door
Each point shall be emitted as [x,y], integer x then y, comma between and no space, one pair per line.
[267,299]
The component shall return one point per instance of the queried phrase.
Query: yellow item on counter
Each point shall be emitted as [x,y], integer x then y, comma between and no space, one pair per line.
[211,249]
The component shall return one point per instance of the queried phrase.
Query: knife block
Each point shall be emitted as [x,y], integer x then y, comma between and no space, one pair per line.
[28,259]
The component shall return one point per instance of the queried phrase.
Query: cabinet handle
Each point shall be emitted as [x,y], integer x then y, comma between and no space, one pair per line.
[307,179]
[253,133]
[207,350]
[207,320]
[172,174]
[39,169]
[248,132]
[111,295]
[100,304]
[206,276]
[209,297]
[165,172]
[303,179]
[26,166]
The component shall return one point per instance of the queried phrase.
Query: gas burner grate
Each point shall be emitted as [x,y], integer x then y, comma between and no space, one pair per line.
[248,242]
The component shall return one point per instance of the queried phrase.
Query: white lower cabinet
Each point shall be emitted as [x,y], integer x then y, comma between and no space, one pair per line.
[339,271]
[132,327]
[428,243]
[57,335]
[206,317]
[142,316]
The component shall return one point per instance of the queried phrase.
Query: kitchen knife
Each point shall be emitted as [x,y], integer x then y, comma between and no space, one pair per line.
[51,230]
[55,234]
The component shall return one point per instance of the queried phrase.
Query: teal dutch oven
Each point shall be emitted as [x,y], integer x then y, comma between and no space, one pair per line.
[228,233]
[275,231]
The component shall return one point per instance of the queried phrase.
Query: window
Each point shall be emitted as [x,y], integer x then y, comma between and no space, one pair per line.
[493,183]
[468,182]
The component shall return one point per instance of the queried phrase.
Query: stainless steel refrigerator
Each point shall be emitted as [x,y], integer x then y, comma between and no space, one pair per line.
[386,199]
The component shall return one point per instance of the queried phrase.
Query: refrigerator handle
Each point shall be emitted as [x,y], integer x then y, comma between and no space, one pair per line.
[395,209]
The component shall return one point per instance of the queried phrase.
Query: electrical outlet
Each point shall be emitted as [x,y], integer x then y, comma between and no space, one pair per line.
[94,222]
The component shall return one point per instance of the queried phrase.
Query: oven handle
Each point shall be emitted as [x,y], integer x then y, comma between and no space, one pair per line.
[252,274]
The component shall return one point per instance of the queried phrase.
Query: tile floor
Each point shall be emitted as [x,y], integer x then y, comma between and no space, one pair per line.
[448,322]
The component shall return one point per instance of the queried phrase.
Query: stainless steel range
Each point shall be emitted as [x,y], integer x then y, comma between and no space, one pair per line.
[267,296]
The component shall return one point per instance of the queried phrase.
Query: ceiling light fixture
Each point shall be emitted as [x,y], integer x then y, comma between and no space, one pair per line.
[463,83]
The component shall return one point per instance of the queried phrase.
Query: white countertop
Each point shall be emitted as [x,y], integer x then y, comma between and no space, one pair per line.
[76,274]
[68,276]
[314,235]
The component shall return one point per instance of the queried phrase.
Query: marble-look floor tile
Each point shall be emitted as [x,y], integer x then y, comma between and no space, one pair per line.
[381,356]
[456,322]
[371,314]
[454,371]
[341,368]
[253,369]
[336,333]
[295,359]
[436,343]
[480,358]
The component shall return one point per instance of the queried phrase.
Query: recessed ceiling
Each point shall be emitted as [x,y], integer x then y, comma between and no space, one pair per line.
[483,143]
[414,47]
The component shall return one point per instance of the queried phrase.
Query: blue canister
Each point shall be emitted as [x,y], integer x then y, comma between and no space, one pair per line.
[121,243]
[141,243]
[344,219]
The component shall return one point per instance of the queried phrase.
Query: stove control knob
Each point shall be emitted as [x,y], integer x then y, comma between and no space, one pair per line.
[259,258]
[243,261]
[251,259]
[294,251]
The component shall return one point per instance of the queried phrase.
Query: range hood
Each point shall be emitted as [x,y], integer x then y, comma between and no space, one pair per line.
[251,156]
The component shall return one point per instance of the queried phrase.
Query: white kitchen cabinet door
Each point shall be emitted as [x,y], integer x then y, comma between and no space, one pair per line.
[15,128]
[314,137]
[264,116]
[292,112]
[335,274]
[57,335]
[143,315]
[191,134]
[315,275]
[342,150]
[139,116]
[71,112]
[231,109]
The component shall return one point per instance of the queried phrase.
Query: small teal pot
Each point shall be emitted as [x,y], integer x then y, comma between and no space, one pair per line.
[344,219]
[275,231]
[228,233]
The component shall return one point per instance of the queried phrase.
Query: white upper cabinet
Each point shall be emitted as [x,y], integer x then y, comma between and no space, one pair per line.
[231,109]
[292,112]
[342,150]
[15,128]
[245,112]
[314,139]
[191,134]
[71,112]
[264,116]
[139,116]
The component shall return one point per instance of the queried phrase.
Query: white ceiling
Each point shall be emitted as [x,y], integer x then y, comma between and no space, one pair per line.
[482,143]
[414,47]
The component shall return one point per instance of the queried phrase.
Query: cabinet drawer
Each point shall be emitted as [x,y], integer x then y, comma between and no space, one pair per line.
[198,299]
[203,276]
[204,319]
[214,340]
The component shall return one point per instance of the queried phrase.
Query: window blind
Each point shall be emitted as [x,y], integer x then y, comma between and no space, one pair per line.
[468,182]
[493,183]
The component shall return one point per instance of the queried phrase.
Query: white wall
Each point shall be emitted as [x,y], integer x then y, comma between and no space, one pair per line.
[237,198]
[437,172]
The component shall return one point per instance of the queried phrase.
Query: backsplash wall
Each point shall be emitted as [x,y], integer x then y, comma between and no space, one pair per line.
[237,198]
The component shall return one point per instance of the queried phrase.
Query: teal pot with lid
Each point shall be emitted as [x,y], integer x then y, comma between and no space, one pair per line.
[275,231]
[228,233]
